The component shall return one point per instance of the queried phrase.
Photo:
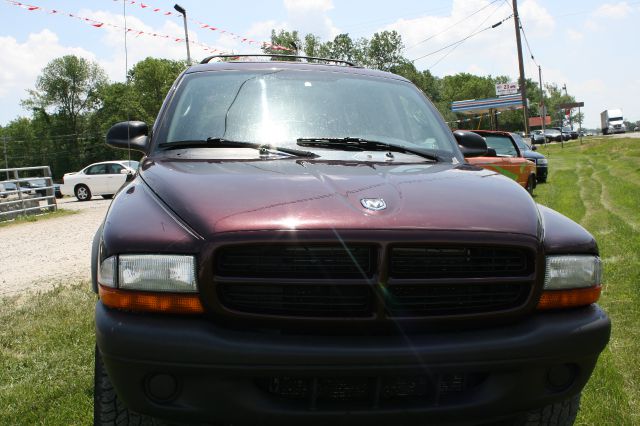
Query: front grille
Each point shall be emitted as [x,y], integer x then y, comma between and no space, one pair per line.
[371,392]
[458,262]
[427,300]
[324,300]
[313,280]
[296,261]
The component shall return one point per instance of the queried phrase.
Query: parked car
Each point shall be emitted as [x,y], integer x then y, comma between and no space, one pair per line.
[304,243]
[98,179]
[553,134]
[537,137]
[505,157]
[566,135]
[529,152]
[573,134]
[38,186]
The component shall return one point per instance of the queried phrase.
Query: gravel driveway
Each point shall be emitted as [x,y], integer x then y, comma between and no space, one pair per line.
[38,255]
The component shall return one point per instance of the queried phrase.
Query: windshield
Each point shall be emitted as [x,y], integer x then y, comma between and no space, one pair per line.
[519,141]
[282,106]
[615,119]
[502,144]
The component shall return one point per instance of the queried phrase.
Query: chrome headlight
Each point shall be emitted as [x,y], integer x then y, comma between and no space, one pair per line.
[541,161]
[149,272]
[566,272]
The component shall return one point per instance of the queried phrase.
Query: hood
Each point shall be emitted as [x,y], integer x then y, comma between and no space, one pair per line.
[217,196]
[532,154]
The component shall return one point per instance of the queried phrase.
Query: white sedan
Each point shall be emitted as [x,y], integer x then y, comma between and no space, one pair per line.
[98,179]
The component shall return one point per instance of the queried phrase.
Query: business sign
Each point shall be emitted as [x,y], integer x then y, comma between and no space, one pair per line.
[506,88]
[570,105]
[537,122]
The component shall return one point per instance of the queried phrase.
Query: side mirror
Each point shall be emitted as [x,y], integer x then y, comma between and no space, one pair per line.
[534,148]
[491,152]
[470,144]
[129,134]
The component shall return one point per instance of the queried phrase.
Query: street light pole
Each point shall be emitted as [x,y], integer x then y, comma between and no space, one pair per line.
[181,9]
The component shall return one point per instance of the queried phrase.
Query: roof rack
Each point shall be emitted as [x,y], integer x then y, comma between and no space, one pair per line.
[293,58]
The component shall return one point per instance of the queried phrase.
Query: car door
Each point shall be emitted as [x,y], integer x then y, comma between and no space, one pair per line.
[507,160]
[96,178]
[114,178]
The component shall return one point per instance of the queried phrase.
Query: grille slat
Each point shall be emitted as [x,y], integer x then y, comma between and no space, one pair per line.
[458,262]
[430,299]
[303,300]
[284,261]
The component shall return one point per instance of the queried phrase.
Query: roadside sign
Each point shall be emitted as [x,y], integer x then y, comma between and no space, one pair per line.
[570,105]
[506,88]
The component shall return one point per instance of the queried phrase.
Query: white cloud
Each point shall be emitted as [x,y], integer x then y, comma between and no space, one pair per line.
[494,48]
[536,20]
[613,10]
[592,86]
[22,63]
[305,16]
[574,35]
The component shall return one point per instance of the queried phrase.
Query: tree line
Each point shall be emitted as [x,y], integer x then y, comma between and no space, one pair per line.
[73,103]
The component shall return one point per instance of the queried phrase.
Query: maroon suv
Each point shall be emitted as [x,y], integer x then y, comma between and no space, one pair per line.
[304,244]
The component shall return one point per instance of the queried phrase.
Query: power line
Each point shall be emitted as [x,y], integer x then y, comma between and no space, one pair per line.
[526,40]
[463,39]
[453,25]
[459,44]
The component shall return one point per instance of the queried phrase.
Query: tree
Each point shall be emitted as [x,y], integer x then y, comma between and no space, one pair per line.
[287,39]
[69,86]
[151,80]
[385,50]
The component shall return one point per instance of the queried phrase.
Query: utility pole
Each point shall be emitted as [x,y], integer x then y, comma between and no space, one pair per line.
[523,87]
[543,112]
[567,95]
[6,162]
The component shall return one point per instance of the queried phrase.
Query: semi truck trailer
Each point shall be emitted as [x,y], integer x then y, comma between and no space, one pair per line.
[611,121]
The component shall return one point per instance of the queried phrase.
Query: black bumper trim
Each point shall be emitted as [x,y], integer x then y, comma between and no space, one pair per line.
[217,368]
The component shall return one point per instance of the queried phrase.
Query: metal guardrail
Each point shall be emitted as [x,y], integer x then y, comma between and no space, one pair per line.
[26,194]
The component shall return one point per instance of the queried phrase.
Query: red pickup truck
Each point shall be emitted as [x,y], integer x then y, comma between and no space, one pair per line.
[303,243]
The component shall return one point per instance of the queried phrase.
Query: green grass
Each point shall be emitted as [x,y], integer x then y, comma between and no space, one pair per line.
[598,185]
[46,358]
[35,218]
[46,340]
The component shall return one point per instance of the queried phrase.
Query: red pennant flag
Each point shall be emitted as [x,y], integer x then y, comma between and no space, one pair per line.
[98,25]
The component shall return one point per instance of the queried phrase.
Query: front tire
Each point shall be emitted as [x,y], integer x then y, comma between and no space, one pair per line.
[559,414]
[83,193]
[108,409]
[531,183]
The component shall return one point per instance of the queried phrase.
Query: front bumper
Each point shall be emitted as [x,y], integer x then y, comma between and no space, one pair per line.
[190,369]
[541,172]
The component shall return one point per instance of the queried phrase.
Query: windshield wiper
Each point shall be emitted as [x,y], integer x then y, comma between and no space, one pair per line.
[226,143]
[359,144]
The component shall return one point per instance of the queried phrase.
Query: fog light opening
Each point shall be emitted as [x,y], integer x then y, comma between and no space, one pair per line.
[162,387]
[561,377]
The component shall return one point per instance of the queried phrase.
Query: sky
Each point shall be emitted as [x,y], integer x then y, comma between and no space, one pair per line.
[590,46]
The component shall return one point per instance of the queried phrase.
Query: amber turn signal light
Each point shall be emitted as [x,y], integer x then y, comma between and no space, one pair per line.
[562,299]
[140,301]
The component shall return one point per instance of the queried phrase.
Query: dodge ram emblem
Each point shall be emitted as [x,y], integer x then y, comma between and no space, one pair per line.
[373,204]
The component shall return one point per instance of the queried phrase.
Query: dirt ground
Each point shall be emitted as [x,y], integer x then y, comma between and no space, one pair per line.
[35,256]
